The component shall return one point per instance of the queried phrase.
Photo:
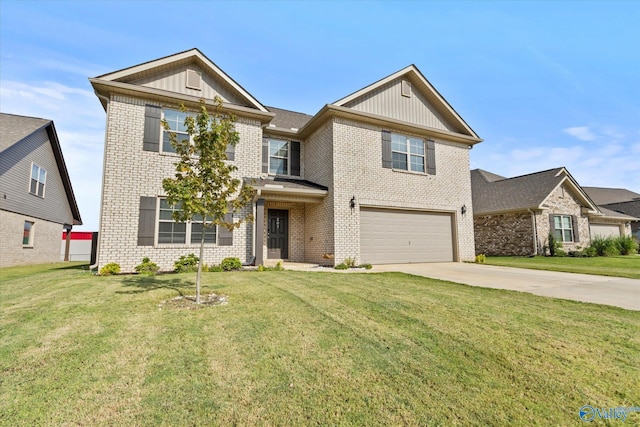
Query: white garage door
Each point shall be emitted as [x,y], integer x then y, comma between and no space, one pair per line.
[604,230]
[396,236]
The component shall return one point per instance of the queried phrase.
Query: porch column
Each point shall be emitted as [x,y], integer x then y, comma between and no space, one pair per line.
[259,232]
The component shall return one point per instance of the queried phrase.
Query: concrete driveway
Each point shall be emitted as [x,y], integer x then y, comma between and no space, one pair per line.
[614,291]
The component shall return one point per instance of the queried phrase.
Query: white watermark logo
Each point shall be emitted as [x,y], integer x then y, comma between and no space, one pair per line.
[588,413]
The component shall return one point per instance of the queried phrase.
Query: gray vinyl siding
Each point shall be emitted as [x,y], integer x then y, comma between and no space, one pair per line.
[387,101]
[15,176]
[175,80]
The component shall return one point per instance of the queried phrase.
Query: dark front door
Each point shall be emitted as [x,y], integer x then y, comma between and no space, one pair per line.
[278,234]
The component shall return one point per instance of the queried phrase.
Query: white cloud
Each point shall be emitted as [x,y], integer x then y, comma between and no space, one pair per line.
[583,133]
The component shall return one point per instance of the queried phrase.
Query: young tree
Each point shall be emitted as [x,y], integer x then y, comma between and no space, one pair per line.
[203,188]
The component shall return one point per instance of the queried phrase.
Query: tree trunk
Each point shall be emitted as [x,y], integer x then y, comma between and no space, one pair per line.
[200,265]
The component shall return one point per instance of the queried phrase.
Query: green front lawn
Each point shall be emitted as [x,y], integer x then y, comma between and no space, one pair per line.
[297,348]
[619,266]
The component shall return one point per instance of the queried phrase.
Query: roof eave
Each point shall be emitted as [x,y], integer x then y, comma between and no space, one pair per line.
[105,87]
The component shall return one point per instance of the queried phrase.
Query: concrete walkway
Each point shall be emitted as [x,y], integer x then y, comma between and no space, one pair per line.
[615,291]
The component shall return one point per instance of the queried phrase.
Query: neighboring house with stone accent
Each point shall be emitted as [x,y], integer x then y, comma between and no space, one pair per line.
[514,216]
[618,200]
[381,176]
[36,198]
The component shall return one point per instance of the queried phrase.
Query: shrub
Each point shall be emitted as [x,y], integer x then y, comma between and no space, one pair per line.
[278,266]
[349,262]
[109,269]
[555,246]
[231,264]
[626,245]
[214,268]
[147,267]
[604,246]
[366,265]
[341,266]
[186,264]
[481,258]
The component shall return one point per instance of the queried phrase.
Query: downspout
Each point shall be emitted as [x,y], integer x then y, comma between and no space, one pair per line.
[535,232]
[104,161]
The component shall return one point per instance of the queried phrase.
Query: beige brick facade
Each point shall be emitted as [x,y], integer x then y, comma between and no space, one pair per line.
[45,240]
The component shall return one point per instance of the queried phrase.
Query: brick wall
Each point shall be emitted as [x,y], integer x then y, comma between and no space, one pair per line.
[130,172]
[46,240]
[358,168]
[507,235]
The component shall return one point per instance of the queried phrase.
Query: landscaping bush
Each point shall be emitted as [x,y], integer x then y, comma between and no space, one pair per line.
[231,264]
[555,246]
[186,264]
[350,262]
[626,245]
[277,267]
[605,246]
[481,258]
[366,266]
[109,269]
[214,268]
[341,266]
[147,267]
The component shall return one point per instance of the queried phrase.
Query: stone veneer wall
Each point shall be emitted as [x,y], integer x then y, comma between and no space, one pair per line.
[562,202]
[130,172]
[504,235]
[358,172]
[46,240]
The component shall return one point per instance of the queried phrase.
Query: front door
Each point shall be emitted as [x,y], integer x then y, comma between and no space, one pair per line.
[278,234]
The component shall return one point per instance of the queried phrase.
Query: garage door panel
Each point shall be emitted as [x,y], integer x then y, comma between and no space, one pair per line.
[604,230]
[395,236]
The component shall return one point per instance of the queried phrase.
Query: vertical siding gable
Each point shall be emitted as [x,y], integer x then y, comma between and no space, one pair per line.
[387,101]
[175,80]
[15,175]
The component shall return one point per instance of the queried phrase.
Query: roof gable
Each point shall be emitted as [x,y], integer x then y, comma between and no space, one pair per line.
[177,73]
[424,106]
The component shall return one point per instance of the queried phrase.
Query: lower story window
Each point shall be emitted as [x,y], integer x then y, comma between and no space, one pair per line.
[27,234]
[563,227]
[173,232]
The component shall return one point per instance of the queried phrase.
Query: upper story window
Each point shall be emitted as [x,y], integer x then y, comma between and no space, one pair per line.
[38,180]
[407,153]
[563,228]
[280,157]
[175,119]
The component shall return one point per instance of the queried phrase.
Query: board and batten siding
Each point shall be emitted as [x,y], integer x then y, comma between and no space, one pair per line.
[15,177]
[387,101]
[175,80]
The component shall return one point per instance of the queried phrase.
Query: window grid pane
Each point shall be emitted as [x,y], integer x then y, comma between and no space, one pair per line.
[417,163]
[563,226]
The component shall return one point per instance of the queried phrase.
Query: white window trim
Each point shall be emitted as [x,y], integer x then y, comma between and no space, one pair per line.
[562,229]
[188,242]
[163,131]
[288,158]
[44,184]
[409,154]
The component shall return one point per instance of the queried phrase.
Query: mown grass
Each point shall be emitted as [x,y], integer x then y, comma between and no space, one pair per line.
[618,266]
[296,348]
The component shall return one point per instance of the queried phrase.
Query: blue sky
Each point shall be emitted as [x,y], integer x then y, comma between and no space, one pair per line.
[546,84]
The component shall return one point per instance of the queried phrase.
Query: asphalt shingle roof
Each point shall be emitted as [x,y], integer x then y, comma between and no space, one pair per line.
[493,193]
[14,128]
[288,119]
[605,196]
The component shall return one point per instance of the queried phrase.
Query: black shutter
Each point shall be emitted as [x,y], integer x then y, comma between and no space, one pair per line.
[265,154]
[225,236]
[387,159]
[295,158]
[231,152]
[576,233]
[431,157]
[152,128]
[552,225]
[147,221]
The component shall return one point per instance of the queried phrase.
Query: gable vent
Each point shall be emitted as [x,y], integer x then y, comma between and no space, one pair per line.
[194,80]
[406,89]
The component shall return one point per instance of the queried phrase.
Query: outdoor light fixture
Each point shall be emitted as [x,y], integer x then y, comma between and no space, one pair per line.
[463,209]
[352,203]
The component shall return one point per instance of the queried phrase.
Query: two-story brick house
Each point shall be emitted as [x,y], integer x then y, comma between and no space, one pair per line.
[381,175]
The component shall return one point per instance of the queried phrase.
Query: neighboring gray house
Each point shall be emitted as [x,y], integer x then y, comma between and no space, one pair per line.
[381,175]
[36,198]
[514,216]
[618,200]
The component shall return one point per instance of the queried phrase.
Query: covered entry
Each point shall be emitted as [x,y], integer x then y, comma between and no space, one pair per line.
[390,236]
